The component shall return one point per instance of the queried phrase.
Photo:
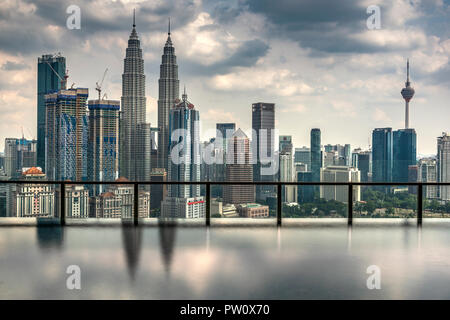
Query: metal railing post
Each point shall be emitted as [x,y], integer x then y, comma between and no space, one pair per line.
[136,204]
[279,207]
[419,203]
[208,204]
[62,204]
[350,203]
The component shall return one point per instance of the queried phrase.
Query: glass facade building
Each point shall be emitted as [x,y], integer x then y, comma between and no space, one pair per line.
[316,154]
[405,153]
[48,68]
[382,155]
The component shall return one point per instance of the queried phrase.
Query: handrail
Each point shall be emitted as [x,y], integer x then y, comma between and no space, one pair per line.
[208,185]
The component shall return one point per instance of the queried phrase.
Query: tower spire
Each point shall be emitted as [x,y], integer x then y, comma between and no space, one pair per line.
[184,94]
[134,18]
[407,94]
[169,28]
[407,70]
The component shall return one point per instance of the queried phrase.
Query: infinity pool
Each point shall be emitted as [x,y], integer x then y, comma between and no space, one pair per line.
[312,262]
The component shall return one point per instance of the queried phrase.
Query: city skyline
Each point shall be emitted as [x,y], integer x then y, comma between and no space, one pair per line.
[345,90]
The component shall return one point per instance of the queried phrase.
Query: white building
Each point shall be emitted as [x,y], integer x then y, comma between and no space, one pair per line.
[35,200]
[443,165]
[287,175]
[174,207]
[339,174]
[77,201]
[428,173]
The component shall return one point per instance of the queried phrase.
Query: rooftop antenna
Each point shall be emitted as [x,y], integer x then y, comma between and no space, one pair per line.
[134,18]
[169,27]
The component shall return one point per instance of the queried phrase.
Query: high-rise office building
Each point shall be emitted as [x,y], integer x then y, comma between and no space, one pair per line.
[285,144]
[428,173]
[143,152]
[339,174]
[404,153]
[305,193]
[364,164]
[184,201]
[443,165]
[413,176]
[225,130]
[19,153]
[316,154]
[239,168]
[67,134]
[50,70]
[169,92]
[263,135]
[303,155]
[287,174]
[382,155]
[103,145]
[158,192]
[341,155]
[133,111]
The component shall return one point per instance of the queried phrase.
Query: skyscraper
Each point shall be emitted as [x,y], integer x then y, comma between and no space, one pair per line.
[287,174]
[285,144]
[239,168]
[103,146]
[19,153]
[443,165]
[168,92]
[428,173]
[405,154]
[184,201]
[263,125]
[407,94]
[226,130]
[303,155]
[67,135]
[50,70]
[133,111]
[363,163]
[316,154]
[382,155]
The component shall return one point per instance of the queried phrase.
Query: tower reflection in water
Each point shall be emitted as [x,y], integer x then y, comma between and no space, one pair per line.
[167,235]
[132,243]
[132,240]
[50,237]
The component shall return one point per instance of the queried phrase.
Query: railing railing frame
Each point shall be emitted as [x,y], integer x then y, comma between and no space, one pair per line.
[208,184]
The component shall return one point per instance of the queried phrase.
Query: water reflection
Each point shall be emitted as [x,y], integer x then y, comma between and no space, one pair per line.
[132,239]
[349,238]
[50,237]
[167,235]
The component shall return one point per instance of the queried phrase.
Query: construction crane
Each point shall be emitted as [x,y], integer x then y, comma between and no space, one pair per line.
[99,86]
[63,81]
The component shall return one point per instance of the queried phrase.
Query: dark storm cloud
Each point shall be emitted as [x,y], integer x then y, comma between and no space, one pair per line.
[28,32]
[246,55]
[13,66]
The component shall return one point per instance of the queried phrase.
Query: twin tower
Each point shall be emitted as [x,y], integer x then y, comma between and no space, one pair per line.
[135,131]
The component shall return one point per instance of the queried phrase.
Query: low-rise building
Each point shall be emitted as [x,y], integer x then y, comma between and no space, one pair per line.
[253,210]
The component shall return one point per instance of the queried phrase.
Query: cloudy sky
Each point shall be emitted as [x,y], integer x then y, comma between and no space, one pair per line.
[316,59]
